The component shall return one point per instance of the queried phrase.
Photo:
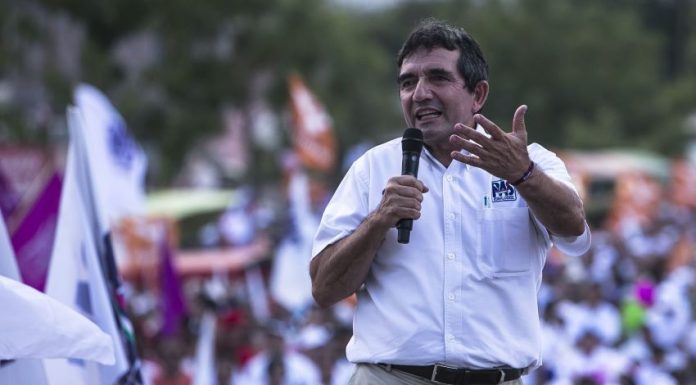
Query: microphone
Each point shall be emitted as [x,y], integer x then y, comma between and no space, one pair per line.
[411,146]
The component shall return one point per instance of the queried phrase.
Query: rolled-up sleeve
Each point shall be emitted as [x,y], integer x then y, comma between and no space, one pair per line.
[574,246]
[345,211]
[554,167]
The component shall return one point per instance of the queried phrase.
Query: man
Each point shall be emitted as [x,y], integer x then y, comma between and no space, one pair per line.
[457,304]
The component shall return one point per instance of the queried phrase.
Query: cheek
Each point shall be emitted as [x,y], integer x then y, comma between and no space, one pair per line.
[463,105]
[406,109]
[405,101]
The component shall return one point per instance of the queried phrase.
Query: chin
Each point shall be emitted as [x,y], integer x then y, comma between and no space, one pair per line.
[424,126]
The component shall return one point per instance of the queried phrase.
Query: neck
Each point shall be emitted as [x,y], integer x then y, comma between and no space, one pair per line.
[441,153]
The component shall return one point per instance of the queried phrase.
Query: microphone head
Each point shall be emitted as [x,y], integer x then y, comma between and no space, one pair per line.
[412,140]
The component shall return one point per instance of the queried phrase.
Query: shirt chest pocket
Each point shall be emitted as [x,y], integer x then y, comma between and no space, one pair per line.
[505,242]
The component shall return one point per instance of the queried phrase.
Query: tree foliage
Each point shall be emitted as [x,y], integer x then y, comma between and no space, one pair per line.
[594,73]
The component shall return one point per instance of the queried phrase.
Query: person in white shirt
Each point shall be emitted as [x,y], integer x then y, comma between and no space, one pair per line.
[277,364]
[591,360]
[456,305]
[593,312]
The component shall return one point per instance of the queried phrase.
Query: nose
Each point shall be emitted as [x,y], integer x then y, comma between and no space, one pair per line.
[422,90]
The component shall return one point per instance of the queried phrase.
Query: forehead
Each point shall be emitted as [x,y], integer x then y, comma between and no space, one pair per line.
[424,59]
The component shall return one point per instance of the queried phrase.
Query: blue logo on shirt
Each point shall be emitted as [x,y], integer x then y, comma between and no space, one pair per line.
[502,191]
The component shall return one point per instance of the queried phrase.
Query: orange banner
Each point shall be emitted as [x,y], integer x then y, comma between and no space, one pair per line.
[313,136]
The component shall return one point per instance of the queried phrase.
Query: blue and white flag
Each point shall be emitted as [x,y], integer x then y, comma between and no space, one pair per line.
[116,164]
[112,176]
[76,275]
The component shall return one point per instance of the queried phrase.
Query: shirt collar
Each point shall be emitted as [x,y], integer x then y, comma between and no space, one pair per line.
[432,159]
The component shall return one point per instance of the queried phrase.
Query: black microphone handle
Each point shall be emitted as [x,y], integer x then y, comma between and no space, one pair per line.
[404,227]
[409,166]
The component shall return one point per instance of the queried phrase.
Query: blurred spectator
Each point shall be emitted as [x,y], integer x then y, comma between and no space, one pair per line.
[277,364]
[170,369]
[590,361]
[594,313]
[237,225]
[669,318]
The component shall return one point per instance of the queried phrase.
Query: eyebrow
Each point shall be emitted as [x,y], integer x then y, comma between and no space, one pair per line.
[440,72]
[402,77]
[428,72]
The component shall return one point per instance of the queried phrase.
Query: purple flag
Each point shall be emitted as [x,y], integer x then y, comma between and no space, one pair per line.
[172,300]
[33,239]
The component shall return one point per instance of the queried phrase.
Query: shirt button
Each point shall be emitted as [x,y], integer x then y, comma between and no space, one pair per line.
[450,337]
[450,256]
[450,215]
[451,297]
[449,178]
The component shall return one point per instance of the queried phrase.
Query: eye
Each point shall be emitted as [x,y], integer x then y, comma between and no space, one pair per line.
[439,78]
[406,84]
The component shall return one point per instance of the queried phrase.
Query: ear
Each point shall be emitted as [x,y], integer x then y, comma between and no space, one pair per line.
[480,96]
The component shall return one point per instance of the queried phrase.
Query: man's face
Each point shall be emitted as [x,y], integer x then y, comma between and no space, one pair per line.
[433,94]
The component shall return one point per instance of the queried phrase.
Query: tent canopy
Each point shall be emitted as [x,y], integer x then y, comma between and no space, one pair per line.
[181,203]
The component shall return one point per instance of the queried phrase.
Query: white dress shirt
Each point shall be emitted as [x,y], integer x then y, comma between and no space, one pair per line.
[463,291]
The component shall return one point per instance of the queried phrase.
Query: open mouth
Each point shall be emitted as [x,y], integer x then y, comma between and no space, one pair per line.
[427,114]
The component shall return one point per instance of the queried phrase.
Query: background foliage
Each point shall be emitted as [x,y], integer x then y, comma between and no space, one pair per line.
[594,73]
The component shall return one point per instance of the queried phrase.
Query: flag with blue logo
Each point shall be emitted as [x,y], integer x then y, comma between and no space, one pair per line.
[112,180]
[116,164]
[103,183]
[76,278]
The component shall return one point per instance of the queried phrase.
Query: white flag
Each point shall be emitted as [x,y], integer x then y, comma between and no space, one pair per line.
[75,278]
[290,284]
[205,373]
[116,164]
[112,170]
[8,263]
[35,325]
[22,371]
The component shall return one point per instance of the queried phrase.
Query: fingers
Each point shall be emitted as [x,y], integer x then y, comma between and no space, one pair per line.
[406,182]
[500,153]
[479,144]
[518,125]
[469,133]
[491,128]
[402,198]
[471,160]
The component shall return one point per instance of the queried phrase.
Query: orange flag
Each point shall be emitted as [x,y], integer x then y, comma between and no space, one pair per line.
[313,136]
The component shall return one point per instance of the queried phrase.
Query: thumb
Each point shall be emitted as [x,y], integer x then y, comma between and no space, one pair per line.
[518,125]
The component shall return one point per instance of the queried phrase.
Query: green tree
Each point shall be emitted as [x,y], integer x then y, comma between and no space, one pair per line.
[595,74]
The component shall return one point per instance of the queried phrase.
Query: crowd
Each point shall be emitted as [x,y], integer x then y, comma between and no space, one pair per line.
[621,314]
